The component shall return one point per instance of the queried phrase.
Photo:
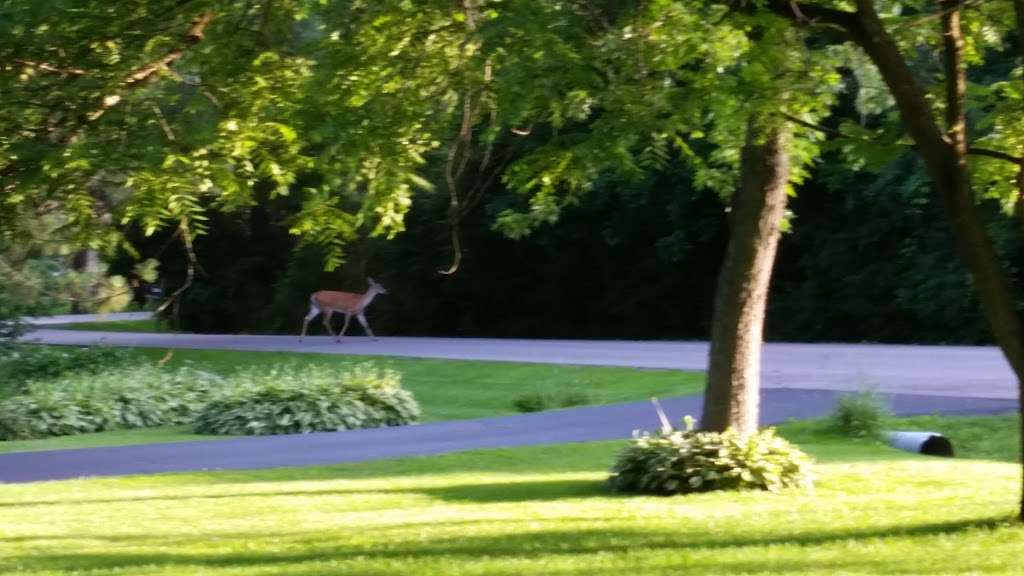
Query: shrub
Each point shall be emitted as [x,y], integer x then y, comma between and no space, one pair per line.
[313,398]
[684,461]
[44,413]
[122,398]
[537,401]
[573,397]
[862,415]
[20,364]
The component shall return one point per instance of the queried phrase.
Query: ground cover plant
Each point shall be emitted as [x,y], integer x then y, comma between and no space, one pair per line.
[540,510]
[445,389]
[282,400]
[301,399]
[21,363]
[682,461]
[118,398]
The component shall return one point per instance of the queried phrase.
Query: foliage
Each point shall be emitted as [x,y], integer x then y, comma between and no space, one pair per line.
[861,415]
[21,363]
[288,400]
[534,401]
[685,461]
[133,397]
[540,400]
[22,292]
[11,325]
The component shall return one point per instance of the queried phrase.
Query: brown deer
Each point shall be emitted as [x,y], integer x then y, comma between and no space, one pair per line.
[327,302]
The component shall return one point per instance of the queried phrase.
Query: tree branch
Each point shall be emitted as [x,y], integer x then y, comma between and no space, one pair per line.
[47,67]
[812,14]
[193,36]
[973,150]
[996,154]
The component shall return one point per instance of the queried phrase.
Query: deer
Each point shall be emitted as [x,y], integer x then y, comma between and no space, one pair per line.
[328,302]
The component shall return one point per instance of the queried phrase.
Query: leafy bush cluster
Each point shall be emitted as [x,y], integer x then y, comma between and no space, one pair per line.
[685,461]
[21,364]
[133,397]
[538,401]
[861,415]
[310,399]
[282,400]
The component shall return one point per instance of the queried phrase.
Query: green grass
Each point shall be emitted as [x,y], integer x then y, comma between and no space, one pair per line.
[992,437]
[445,389]
[146,325]
[541,510]
[111,438]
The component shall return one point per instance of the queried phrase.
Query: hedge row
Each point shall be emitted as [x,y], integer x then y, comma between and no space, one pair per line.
[279,401]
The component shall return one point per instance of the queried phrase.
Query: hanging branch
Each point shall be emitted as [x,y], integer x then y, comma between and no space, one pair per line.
[190,272]
[455,166]
[168,131]
[460,152]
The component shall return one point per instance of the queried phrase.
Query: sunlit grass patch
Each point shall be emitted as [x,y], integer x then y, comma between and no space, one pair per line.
[541,510]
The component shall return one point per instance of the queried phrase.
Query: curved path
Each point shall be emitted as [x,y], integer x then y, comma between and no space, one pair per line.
[575,425]
[966,371]
[800,381]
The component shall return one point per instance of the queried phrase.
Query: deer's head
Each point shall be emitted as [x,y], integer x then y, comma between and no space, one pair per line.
[375,287]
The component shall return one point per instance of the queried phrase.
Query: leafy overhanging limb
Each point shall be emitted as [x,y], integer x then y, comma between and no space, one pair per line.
[69,133]
[971,150]
[140,76]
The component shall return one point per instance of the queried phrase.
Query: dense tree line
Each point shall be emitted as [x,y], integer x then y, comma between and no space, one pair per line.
[867,258]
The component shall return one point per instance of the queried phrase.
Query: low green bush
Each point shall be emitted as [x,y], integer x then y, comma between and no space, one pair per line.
[861,415]
[534,401]
[133,397]
[684,461]
[288,400]
[538,401]
[572,397]
[21,363]
[43,413]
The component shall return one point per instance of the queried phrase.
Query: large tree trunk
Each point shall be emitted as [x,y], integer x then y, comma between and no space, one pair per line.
[732,399]
[945,157]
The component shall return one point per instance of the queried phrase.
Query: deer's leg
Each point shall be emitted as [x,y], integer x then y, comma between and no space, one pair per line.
[313,311]
[366,325]
[327,321]
[344,327]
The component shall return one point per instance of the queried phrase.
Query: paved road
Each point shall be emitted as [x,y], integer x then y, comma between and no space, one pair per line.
[76,318]
[964,371]
[575,425]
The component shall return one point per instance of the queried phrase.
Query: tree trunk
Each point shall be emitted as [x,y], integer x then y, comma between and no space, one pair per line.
[945,157]
[733,391]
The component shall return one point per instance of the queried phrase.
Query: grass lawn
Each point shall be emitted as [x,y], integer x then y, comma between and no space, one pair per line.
[541,510]
[146,325]
[445,389]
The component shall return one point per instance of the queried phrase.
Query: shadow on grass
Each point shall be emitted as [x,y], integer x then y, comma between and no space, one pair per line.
[517,543]
[490,492]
